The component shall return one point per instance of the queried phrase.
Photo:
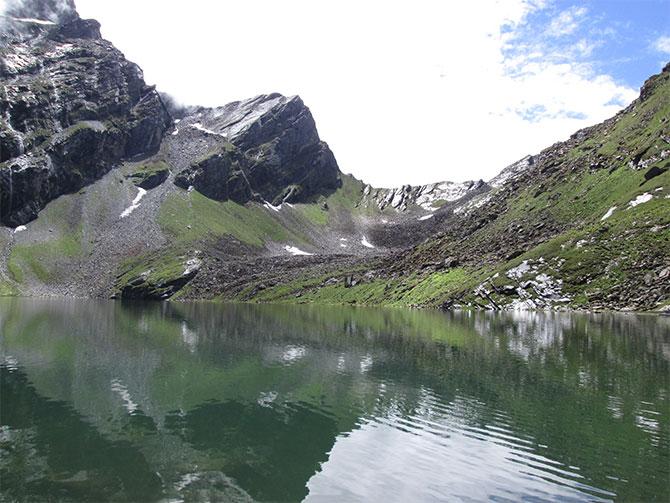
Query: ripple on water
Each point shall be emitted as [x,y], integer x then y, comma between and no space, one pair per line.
[437,453]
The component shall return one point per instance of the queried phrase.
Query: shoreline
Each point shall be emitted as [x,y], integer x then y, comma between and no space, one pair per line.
[663,313]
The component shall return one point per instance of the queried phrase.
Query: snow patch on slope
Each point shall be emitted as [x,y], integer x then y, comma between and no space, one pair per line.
[429,197]
[32,20]
[366,243]
[271,207]
[135,204]
[294,250]
[444,191]
[608,214]
[202,128]
[642,198]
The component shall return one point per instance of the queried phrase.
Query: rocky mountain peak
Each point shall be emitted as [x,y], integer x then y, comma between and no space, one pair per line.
[428,197]
[78,28]
[71,107]
[25,19]
[512,172]
[256,121]
[54,11]
[266,148]
[652,83]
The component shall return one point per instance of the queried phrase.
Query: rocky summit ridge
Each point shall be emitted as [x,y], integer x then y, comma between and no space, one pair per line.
[268,150]
[71,107]
[109,189]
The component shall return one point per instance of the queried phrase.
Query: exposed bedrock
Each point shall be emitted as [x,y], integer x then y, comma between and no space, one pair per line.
[269,150]
[71,107]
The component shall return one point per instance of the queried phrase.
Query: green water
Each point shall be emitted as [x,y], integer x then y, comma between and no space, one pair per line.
[197,402]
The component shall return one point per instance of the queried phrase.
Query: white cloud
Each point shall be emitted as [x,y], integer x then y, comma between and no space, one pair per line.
[662,44]
[566,22]
[403,92]
[584,47]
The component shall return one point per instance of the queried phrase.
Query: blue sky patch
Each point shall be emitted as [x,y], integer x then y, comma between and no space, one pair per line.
[621,38]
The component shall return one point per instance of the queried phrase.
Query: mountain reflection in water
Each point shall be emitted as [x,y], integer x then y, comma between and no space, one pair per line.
[141,402]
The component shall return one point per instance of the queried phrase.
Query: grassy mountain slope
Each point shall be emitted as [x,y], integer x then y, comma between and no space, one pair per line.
[79,245]
[587,225]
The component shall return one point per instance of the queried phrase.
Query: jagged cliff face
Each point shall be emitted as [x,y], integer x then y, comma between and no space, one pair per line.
[428,197]
[71,107]
[267,149]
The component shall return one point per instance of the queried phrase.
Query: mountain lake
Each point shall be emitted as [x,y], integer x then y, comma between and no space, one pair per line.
[105,400]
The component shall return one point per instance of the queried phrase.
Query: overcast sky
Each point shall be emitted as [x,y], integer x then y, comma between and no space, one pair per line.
[405,91]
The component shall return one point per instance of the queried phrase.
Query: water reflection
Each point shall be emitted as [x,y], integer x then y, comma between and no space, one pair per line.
[283,403]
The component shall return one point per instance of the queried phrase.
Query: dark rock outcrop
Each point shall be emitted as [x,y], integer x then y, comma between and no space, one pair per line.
[219,176]
[71,107]
[142,288]
[269,151]
[151,175]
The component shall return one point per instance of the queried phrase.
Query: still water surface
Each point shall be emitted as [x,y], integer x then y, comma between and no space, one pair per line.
[191,402]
